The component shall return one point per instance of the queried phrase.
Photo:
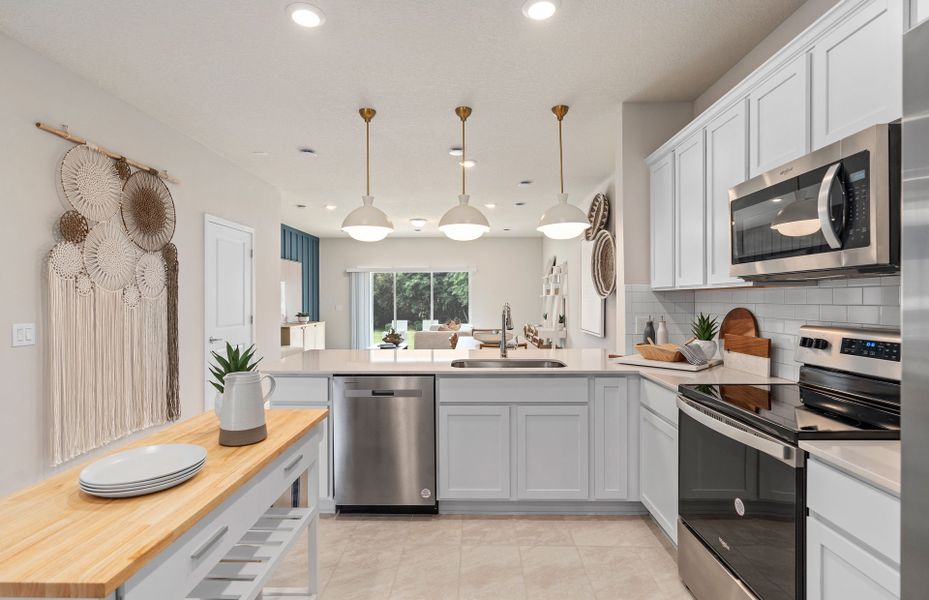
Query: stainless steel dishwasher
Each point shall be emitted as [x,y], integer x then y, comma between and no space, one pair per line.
[384,443]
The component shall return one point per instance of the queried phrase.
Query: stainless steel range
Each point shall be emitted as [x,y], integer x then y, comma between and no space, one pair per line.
[742,487]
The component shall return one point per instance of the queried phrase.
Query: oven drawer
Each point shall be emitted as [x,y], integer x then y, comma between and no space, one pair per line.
[853,506]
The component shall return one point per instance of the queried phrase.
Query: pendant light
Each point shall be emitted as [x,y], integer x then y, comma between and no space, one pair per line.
[463,222]
[562,221]
[367,223]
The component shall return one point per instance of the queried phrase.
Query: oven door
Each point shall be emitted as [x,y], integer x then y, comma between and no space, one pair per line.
[741,493]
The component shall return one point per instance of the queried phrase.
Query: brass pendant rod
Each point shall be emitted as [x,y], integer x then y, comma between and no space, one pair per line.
[463,113]
[367,114]
[560,111]
[74,139]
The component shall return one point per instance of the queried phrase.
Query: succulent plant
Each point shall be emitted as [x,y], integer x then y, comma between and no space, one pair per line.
[704,328]
[235,361]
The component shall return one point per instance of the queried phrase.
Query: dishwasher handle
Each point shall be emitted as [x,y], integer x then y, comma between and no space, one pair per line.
[383,393]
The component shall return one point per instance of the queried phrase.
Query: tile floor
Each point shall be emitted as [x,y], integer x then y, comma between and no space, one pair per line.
[500,558]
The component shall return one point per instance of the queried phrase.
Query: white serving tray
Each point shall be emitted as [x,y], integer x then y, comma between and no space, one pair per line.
[638,361]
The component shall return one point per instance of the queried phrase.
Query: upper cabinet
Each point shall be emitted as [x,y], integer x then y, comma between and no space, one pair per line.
[726,166]
[919,11]
[843,74]
[690,212]
[779,117]
[857,73]
[662,205]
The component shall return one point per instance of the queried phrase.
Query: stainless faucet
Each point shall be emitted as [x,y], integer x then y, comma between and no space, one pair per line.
[505,325]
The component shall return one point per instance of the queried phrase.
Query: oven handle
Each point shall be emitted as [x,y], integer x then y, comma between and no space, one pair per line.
[825,219]
[789,455]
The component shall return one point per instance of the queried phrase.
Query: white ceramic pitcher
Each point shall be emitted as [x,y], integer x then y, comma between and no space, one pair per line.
[241,409]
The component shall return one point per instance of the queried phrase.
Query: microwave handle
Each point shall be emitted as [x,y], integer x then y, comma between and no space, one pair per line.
[825,219]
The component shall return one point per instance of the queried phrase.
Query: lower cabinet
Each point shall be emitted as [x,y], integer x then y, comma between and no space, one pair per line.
[474,452]
[658,469]
[551,452]
[838,569]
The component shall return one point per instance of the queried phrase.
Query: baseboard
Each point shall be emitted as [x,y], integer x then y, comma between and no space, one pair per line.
[539,507]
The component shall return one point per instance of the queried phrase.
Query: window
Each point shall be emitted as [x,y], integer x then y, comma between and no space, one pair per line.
[412,301]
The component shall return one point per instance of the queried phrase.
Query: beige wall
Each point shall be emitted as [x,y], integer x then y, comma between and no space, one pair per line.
[36,89]
[507,270]
[792,26]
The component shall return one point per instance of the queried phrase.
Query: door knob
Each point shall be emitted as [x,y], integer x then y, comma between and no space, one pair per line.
[213,340]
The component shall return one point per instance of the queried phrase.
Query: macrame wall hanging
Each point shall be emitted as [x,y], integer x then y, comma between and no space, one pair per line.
[112,298]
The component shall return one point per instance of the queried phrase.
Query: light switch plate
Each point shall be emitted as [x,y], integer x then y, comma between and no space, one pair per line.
[23,334]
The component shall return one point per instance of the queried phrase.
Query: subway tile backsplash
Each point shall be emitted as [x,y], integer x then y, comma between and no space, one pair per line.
[866,302]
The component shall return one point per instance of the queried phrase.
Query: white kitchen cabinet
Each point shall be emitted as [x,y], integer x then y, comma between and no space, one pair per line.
[919,11]
[661,175]
[690,212]
[726,166]
[779,117]
[552,451]
[838,569]
[615,436]
[658,469]
[857,74]
[474,452]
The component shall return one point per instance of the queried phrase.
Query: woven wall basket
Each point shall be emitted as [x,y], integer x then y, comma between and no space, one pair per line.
[73,227]
[90,183]
[150,274]
[148,211]
[598,214]
[109,256]
[603,268]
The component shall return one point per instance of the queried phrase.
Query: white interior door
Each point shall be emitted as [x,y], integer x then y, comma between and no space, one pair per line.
[229,290]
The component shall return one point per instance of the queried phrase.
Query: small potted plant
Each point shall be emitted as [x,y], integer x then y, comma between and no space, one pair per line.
[392,336]
[705,329]
[302,317]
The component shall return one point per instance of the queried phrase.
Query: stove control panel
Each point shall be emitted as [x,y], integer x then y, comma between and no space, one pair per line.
[874,352]
[871,349]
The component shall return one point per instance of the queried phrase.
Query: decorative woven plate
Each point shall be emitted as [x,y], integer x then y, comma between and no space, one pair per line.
[603,264]
[109,256]
[65,258]
[598,214]
[91,183]
[148,211]
[150,274]
[73,226]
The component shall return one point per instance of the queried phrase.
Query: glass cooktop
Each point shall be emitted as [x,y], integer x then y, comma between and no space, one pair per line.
[793,412]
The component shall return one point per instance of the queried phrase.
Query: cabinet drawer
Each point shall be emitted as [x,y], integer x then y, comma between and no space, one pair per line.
[512,390]
[862,511]
[660,400]
[174,572]
[300,391]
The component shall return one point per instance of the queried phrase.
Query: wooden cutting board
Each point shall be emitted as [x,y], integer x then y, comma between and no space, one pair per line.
[744,344]
[739,321]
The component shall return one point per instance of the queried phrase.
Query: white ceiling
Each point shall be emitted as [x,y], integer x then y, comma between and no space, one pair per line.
[239,76]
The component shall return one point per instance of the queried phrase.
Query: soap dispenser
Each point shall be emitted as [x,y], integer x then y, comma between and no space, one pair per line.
[648,336]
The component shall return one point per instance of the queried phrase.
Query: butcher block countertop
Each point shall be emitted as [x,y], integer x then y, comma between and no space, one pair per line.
[56,541]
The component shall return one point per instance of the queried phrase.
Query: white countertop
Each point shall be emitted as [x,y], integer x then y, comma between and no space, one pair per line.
[579,362]
[874,461]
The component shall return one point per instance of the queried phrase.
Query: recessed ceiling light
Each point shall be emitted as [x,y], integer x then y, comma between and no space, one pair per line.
[454,151]
[306,15]
[524,183]
[506,229]
[490,205]
[300,205]
[418,223]
[259,153]
[519,204]
[467,163]
[307,151]
[539,10]
[331,207]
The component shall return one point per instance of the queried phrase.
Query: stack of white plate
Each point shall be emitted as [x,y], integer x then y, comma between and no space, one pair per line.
[143,470]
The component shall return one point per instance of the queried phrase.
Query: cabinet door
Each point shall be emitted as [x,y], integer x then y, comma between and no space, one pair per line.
[690,213]
[839,569]
[662,210]
[551,453]
[726,166]
[309,336]
[474,452]
[919,11]
[658,470]
[857,77]
[778,116]
[321,335]
[616,446]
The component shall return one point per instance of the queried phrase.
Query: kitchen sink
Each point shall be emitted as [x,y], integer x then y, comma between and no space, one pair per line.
[507,363]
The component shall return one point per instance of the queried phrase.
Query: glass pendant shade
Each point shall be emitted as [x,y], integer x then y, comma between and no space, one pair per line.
[464,222]
[563,221]
[367,223]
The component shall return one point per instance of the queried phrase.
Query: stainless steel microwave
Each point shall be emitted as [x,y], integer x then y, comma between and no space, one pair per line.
[833,213]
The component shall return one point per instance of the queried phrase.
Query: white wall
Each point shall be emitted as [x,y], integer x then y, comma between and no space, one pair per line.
[35,89]
[508,270]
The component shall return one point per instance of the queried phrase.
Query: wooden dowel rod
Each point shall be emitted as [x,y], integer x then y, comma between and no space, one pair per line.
[65,135]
